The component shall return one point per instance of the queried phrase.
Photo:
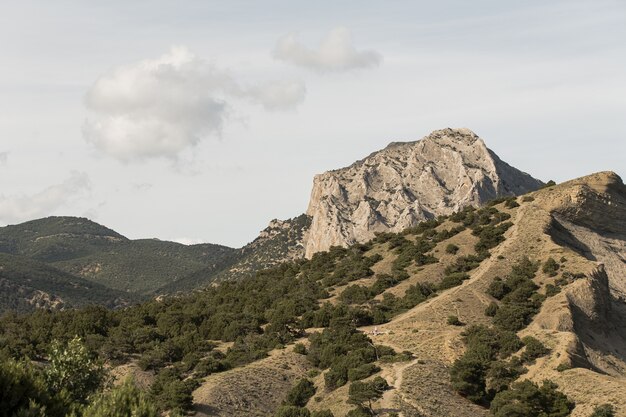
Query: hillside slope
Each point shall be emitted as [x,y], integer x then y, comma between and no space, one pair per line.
[26,284]
[579,223]
[93,253]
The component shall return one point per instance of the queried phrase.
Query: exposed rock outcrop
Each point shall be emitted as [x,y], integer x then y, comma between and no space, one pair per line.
[405,183]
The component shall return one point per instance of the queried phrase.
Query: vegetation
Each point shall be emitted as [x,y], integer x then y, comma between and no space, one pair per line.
[604,410]
[300,393]
[175,337]
[550,267]
[534,349]
[452,249]
[486,371]
[527,399]
[362,394]
[125,400]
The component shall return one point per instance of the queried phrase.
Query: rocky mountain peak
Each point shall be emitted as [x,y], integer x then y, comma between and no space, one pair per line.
[405,183]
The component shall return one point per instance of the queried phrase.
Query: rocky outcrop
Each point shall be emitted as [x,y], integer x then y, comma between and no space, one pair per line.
[405,183]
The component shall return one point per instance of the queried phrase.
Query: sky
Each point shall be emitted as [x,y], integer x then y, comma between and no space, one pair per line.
[200,121]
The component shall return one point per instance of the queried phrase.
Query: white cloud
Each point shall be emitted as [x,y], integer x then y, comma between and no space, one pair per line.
[335,52]
[18,208]
[159,107]
[4,156]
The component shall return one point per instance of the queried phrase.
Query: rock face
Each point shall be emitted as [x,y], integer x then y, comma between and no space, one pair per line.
[405,183]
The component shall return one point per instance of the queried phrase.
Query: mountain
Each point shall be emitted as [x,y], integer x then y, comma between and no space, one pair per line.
[87,250]
[390,190]
[280,241]
[405,183]
[565,248]
[463,315]
[26,284]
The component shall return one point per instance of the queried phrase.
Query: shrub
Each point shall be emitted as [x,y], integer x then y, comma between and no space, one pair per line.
[23,391]
[604,410]
[534,349]
[452,280]
[528,199]
[452,248]
[563,367]
[362,371]
[124,400]
[468,377]
[500,376]
[299,348]
[72,372]
[454,321]
[550,267]
[491,309]
[552,290]
[363,393]
[526,398]
[300,393]
[498,289]
[511,203]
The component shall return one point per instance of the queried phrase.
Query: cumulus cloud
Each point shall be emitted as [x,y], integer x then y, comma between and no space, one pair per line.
[335,52]
[159,107]
[18,208]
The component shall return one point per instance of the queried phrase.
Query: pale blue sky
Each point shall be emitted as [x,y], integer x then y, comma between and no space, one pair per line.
[543,84]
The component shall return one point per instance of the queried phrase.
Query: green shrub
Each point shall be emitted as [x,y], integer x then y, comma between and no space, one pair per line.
[300,393]
[491,309]
[498,289]
[452,280]
[604,410]
[550,267]
[363,393]
[299,348]
[527,399]
[362,372]
[528,199]
[552,290]
[23,390]
[124,400]
[563,367]
[454,321]
[72,372]
[534,349]
[511,203]
[452,249]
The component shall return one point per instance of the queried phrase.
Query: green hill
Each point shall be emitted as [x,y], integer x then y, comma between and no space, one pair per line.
[26,283]
[90,252]
[142,266]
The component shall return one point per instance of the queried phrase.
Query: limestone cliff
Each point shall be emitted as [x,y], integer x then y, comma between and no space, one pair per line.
[405,183]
